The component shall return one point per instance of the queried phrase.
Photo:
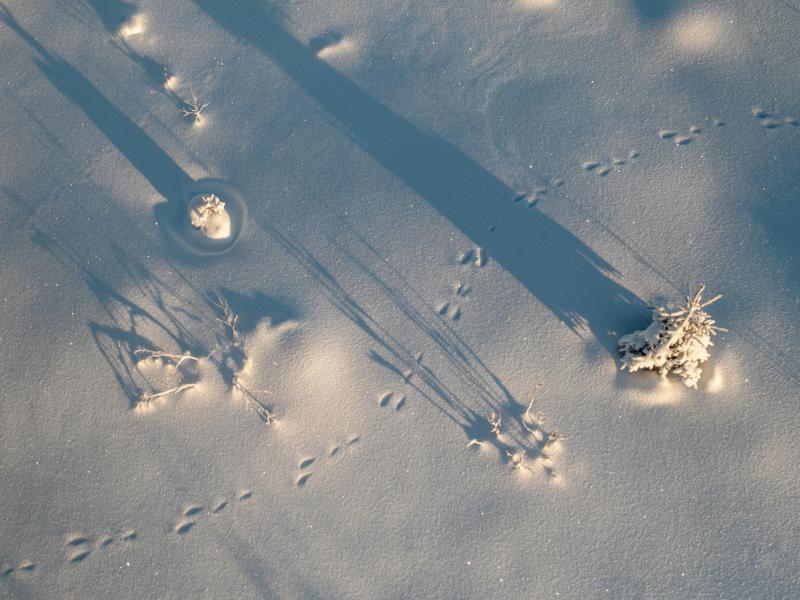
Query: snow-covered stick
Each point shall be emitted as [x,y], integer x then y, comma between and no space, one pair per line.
[229,318]
[529,420]
[147,397]
[262,411]
[676,342]
[176,358]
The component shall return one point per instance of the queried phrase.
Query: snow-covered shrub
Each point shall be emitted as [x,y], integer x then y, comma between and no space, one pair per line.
[207,213]
[676,341]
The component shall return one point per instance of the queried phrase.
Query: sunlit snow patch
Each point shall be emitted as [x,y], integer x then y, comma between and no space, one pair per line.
[132,27]
[699,31]
[537,4]
[331,45]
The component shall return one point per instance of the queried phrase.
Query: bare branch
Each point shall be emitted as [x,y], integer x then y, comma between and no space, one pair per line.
[229,318]
[495,422]
[263,412]
[147,397]
[176,358]
[193,108]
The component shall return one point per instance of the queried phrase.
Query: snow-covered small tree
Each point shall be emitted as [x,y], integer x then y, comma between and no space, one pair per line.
[676,341]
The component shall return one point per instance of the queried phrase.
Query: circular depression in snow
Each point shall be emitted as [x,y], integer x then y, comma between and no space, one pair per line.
[210,218]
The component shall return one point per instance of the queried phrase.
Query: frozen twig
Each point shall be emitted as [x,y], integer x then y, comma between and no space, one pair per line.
[529,420]
[518,460]
[147,397]
[193,109]
[495,423]
[263,412]
[229,318]
[176,358]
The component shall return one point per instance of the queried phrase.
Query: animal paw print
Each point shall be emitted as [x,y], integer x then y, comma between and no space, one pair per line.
[392,398]
[451,308]
[771,121]
[603,168]
[191,513]
[22,568]
[474,256]
[680,139]
[306,463]
[532,198]
[78,546]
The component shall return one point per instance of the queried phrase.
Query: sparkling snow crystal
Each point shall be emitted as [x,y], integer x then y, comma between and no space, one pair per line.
[675,342]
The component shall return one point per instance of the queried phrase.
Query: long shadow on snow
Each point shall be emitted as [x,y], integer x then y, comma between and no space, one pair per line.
[163,173]
[656,11]
[469,408]
[147,156]
[565,274]
[128,325]
[181,323]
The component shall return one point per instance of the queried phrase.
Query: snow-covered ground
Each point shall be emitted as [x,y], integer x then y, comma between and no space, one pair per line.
[434,207]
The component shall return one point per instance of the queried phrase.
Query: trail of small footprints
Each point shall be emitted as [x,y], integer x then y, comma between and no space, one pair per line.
[306,463]
[603,168]
[451,308]
[682,139]
[191,513]
[531,199]
[78,546]
[22,568]
[773,121]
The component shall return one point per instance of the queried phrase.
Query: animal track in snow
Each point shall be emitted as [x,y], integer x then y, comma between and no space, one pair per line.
[392,398]
[603,168]
[451,308]
[537,194]
[773,121]
[184,526]
[22,568]
[192,513]
[129,535]
[78,547]
[474,256]
[682,139]
[304,464]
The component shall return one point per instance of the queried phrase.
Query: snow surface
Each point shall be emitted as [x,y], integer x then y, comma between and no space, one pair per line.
[444,204]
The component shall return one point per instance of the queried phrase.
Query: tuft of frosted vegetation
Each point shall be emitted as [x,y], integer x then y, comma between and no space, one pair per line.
[207,213]
[676,342]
